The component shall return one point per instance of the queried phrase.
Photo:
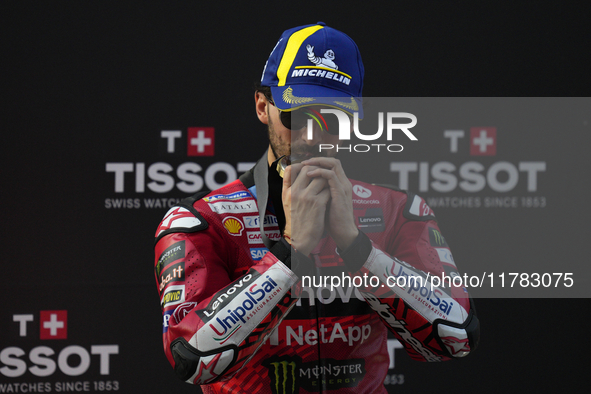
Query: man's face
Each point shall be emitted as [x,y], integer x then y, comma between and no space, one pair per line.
[295,142]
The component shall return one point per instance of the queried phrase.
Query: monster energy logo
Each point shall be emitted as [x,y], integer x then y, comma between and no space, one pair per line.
[283,376]
[313,376]
[436,238]
[172,253]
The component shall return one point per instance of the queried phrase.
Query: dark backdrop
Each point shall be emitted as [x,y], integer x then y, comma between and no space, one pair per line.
[88,84]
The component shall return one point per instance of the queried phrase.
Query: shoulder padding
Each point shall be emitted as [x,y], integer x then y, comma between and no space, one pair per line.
[182,218]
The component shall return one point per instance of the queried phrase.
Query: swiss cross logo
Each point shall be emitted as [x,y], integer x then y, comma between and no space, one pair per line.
[54,324]
[483,141]
[200,141]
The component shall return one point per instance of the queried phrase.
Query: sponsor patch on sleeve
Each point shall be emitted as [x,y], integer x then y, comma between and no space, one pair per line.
[174,295]
[371,221]
[258,253]
[233,207]
[180,219]
[227,197]
[417,209]
[445,255]
[172,274]
[172,253]
[233,225]
[436,239]
[253,221]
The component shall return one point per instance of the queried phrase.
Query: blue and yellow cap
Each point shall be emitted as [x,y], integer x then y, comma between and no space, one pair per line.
[315,65]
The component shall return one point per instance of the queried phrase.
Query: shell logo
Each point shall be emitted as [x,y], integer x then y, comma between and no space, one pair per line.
[233,225]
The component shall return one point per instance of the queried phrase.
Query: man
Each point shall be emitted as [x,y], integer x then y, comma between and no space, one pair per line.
[230,263]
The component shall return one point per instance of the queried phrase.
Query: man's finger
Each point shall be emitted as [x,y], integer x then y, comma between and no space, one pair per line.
[317,185]
[299,179]
[329,163]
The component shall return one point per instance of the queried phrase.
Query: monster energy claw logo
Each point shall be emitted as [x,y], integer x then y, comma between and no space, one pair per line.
[282,373]
[435,238]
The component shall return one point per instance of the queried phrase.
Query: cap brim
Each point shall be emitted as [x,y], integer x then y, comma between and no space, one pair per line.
[291,97]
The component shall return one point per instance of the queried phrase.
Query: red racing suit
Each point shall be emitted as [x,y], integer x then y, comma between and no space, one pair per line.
[232,322]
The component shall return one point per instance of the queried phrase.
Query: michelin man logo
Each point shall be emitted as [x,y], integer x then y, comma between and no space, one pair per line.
[326,61]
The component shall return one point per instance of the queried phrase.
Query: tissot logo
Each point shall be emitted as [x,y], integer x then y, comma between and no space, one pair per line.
[483,141]
[54,325]
[161,177]
[470,176]
[50,357]
[200,141]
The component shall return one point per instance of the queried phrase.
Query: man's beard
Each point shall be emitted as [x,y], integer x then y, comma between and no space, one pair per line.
[278,147]
[286,148]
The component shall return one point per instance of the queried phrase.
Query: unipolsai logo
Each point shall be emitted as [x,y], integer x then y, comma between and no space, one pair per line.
[250,301]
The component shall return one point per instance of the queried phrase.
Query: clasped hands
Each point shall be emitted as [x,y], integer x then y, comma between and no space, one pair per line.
[317,196]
